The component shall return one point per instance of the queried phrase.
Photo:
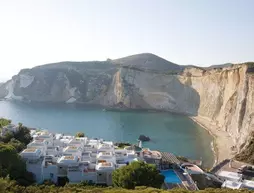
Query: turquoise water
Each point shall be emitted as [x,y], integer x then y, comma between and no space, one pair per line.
[168,132]
[171,177]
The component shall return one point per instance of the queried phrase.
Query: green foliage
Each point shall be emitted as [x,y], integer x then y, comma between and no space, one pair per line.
[137,174]
[247,154]
[250,69]
[17,144]
[7,137]
[18,139]
[250,64]
[48,182]
[80,134]
[12,165]
[122,145]
[8,186]
[23,135]
[4,122]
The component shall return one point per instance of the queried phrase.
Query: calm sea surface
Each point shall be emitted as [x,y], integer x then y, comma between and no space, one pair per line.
[169,132]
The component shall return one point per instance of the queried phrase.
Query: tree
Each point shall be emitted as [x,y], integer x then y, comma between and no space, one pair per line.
[137,174]
[7,137]
[8,157]
[80,134]
[17,144]
[23,135]
[4,122]
[13,166]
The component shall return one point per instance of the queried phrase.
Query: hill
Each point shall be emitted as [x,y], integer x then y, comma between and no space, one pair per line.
[147,61]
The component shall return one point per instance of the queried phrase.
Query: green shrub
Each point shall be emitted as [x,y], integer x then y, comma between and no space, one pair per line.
[137,174]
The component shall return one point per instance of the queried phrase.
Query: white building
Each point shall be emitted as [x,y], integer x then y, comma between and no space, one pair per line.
[248,184]
[34,162]
[55,156]
[245,184]
[104,172]
[231,176]
[231,184]
[73,150]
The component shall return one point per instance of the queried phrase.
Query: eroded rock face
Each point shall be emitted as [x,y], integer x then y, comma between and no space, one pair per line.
[226,99]
[224,96]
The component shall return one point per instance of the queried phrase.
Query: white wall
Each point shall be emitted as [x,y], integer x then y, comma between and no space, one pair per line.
[74,176]
[36,169]
[50,169]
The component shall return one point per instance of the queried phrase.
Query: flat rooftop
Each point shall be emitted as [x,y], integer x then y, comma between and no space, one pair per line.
[68,157]
[105,165]
[231,184]
[39,140]
[72,147]
[151,154]
[30,150]
[68,160]
[230,175]
[193,167]
[105,154]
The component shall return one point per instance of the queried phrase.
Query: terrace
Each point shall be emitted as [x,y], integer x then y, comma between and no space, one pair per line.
[30,150]
[232,176]
[31,153]
[105,166]
[66,160]
[151,154]
[192,169]
[105,155]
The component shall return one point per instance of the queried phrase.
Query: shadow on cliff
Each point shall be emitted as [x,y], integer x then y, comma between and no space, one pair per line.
[183,97]
[163,94]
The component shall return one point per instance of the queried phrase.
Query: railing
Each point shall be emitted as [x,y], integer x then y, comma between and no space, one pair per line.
[218,166]
[187,178]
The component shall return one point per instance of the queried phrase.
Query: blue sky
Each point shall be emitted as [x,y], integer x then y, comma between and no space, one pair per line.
[200,32]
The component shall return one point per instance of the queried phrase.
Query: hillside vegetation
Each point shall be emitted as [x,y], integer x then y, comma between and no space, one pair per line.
[7,186]
[247,155]
[11,164]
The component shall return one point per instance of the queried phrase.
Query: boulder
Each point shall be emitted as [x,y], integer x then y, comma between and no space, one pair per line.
[144,138]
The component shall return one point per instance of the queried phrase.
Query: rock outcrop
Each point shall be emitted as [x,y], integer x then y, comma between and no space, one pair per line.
[222,95]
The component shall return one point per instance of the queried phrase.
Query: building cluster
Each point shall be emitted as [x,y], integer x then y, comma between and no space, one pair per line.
[57,156]
[234,180]
[60,158]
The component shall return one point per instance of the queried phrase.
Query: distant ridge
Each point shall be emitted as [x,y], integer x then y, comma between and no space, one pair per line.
[147,61]
[220,65]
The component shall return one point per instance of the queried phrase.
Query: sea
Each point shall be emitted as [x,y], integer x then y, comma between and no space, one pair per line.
[168,132]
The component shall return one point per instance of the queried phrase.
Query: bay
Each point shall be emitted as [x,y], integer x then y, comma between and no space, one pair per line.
[168,132]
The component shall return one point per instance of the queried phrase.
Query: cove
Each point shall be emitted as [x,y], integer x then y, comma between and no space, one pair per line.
[168,132]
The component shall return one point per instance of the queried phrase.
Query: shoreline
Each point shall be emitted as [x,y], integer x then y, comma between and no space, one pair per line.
[222,142]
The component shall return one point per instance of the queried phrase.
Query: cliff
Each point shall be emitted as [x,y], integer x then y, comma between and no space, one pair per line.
[223,96]
[226,100]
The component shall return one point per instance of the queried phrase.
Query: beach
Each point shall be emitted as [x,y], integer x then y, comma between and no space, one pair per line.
[222,141]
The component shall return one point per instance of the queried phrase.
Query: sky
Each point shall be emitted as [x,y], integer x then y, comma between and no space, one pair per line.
[199,32]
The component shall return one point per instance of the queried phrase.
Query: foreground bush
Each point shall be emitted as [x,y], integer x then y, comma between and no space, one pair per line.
[137,174]
[7,186]
[247,155]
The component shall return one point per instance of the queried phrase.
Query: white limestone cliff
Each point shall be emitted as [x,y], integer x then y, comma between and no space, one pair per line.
[222,96]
